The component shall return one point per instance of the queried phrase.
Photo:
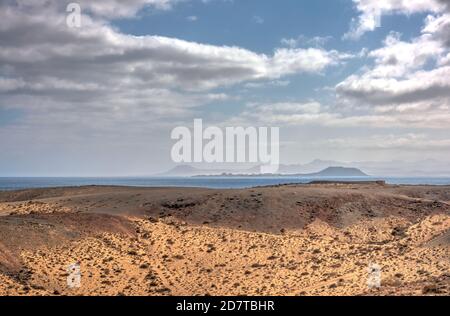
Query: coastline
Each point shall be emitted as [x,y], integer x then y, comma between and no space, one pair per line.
[18,183]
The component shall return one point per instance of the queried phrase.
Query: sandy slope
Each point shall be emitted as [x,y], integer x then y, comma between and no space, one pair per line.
[287,240]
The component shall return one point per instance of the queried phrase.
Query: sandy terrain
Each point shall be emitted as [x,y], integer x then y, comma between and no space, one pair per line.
[287,240]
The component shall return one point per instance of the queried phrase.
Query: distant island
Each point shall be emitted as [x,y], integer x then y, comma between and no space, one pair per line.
[337,172]
[393,168]
[330,172]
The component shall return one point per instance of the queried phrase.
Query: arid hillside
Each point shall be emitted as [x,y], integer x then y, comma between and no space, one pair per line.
[288,240]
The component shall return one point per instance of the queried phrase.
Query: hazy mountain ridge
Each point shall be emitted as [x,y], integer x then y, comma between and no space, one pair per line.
[327,172]
[395,168]
[337,172]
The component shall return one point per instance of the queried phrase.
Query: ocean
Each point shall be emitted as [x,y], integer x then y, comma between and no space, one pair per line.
[18,183]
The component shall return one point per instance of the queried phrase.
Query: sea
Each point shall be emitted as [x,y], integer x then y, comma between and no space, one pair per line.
[19,183]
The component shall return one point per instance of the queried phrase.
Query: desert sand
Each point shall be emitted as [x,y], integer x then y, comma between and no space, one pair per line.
[287,240]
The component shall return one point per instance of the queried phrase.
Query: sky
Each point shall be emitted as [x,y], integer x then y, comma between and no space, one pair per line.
[345,80]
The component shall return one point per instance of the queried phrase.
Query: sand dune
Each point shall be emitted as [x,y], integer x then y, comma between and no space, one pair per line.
[285,240]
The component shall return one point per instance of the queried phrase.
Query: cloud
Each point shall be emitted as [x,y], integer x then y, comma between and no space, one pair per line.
[411,141]
[192,18]
[273,83]
[257,19]
[439,27]
[371,12]
[122,9]
[406,75]
[416,86]
[48,66]
[312,113]
[286,107]
[316,41]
